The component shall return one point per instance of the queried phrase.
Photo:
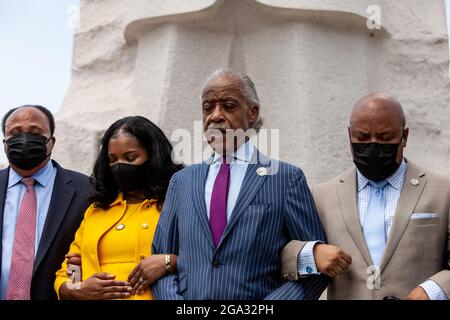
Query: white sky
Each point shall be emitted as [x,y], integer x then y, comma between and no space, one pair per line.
[35,53]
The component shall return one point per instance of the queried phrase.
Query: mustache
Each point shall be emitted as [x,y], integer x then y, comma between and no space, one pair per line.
[218,127]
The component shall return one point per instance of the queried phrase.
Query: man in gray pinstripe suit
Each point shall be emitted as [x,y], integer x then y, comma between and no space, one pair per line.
[228,218]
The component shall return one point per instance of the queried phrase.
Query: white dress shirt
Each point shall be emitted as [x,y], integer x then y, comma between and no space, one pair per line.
[239,161]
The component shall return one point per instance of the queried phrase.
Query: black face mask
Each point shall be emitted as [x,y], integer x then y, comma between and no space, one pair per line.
[376,161]
[129,177]
[27,150]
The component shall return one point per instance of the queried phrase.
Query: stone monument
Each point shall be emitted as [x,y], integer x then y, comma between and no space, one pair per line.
[310,60]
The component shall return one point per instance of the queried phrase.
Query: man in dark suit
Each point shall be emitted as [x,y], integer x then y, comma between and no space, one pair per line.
[41,206]
[227,219]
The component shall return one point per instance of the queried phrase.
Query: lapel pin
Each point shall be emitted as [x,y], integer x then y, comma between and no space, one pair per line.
[261,171]
[414,182]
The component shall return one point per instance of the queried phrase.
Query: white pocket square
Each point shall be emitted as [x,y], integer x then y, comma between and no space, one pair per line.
[416,216]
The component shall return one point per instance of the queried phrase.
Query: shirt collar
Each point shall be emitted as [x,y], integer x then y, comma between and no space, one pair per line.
[120,200]
[243,154]
[395,180]
[42,176]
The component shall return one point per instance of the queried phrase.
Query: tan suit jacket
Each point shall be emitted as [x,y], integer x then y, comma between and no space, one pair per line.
[416,249]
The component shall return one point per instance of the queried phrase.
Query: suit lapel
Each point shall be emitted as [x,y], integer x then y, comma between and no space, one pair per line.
[407,202]
[62,196]
[4,174]
[250,186]
[348,204]
[200,173]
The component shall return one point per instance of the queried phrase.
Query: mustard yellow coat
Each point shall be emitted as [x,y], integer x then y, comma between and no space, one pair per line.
[96,223]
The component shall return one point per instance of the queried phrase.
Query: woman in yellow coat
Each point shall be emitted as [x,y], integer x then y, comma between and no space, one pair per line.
[130,180]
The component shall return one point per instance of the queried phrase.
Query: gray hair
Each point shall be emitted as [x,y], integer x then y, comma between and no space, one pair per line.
[248,86]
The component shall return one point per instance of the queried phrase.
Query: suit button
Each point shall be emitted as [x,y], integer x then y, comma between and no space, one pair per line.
[216,263]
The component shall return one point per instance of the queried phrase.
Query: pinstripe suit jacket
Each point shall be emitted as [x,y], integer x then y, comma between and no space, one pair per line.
[270,210]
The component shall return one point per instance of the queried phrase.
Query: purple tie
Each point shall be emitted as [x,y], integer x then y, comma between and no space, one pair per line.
[218,208]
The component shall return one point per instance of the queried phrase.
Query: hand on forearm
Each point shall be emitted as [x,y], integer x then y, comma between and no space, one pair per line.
[101,286]
[73,259]
[331,260]
[65,293]
[150,270]
[417,293]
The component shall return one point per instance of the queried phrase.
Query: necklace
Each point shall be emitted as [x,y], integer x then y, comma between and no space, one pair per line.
[121,225]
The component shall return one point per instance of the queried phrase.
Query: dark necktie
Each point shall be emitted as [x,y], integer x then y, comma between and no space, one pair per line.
[219,197]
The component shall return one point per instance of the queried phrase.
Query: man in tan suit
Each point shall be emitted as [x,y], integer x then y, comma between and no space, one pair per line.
[390,215]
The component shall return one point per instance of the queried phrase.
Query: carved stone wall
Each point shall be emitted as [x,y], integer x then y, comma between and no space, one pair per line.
[310,60]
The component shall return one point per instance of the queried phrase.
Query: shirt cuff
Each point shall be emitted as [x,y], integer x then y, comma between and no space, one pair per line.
[305,260]
[433,290]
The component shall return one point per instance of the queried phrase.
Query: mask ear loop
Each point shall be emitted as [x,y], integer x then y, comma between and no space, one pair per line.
[401,138]
[48,140]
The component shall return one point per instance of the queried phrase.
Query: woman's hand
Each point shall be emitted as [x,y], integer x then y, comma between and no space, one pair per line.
[73,263]
[148,271]
[100,286]
[73,258]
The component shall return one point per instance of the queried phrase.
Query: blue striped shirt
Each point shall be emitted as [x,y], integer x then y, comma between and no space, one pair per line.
[392,193]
